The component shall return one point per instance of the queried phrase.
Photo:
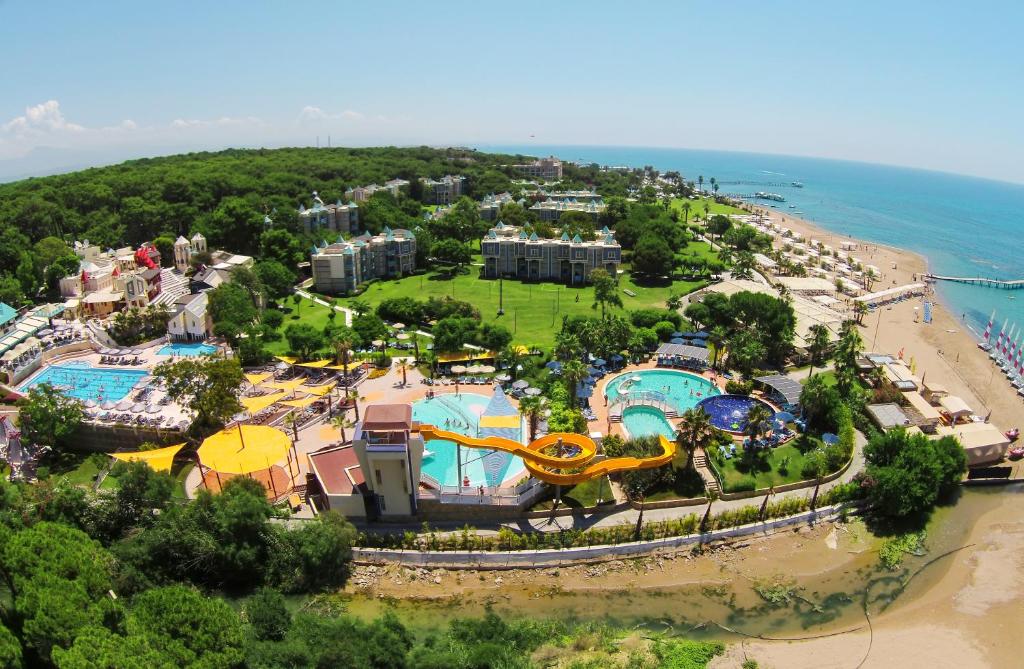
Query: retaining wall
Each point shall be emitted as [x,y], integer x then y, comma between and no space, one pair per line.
[545,558]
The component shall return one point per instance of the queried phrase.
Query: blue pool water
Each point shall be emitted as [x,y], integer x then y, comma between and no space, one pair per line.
[88,383]
[186,349]
[729,412]
[641,421]
[682,390]
[462,413]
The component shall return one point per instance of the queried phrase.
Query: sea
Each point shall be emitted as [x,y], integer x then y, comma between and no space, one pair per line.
[962,225]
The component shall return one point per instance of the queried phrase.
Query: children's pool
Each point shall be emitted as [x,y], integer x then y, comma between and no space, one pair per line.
[88,383]
[729,412]
[187,350]
[640,421]
[682,390]
[461,413]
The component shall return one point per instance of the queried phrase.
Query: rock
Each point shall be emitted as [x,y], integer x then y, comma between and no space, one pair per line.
[437,580]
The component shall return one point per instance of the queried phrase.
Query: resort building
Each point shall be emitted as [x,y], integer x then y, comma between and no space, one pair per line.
[190,320]
[549,169]
[340,267]
[337,217]
[222,264]
[445,190]
[552,210]
[106,281]
[8,317]
[491,205]
[509,252]
[185,250]
[364,193]
[563,195]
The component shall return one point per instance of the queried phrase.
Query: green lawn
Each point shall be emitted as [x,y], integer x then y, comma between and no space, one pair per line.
[78,468]
[697,207]
[764,469]
[532,310]
[581,495]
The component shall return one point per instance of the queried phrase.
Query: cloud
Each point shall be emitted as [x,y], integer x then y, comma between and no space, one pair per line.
[42,118]
[310,113]
[220,122]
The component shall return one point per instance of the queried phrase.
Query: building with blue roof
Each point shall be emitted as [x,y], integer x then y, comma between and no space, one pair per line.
[340,267]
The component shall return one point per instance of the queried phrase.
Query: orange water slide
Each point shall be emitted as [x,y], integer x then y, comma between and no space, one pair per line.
[541,464]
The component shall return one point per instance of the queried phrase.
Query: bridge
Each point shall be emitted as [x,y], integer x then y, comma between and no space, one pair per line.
[647,398]
[769,184]
[978,281]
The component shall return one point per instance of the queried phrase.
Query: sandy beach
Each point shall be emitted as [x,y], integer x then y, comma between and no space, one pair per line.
[943,350]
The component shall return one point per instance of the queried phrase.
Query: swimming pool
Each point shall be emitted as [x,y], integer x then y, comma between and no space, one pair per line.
[640,421]
[683,390]
[88,383]
[729,412]
[461,414]
[187,350]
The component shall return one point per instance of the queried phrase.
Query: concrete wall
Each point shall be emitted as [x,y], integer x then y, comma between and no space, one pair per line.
[109,438]
[583,554]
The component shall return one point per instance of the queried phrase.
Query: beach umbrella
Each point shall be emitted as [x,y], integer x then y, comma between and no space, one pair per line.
[593,371]
[520,384]
[458,369]
[553,365]
[377,343]
[700,335]
[830,438]
[616,358]
[584,390]
[784,417]
[89,404]
[532,392]
[45,332]
[399,326]
[676,335]
[600,362]
[138,407]
[699,343]
[153,408]
[503,378]
[124,405]
[676,340]
[402,336]
[108,405]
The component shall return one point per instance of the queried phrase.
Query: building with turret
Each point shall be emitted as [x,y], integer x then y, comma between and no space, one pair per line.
[508,251]
[340,267]
[337,217]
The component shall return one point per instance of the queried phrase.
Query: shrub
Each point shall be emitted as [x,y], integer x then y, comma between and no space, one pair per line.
[272,318]
[648,318]
[739,387]
[664,330]
[745,484]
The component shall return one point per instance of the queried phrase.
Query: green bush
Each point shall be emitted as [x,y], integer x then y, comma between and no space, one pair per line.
[739,387]
[745,484]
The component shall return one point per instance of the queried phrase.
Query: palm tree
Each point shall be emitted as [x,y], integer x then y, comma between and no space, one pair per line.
[700,181]
[342,347]
[717,337]
[707,212]
[532,408]
[353,395]
[360,307]
[674,302]
[342,422]
[694,431]
[292,421]
[714,184]
[686,212]
[757,420]
[403,366]
[818,345]
[860,310]
[573,372]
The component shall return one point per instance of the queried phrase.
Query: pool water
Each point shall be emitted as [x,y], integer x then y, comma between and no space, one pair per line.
[88,383]
[683,390]
[187,350]
[462,415]
[640,421]
[729,412]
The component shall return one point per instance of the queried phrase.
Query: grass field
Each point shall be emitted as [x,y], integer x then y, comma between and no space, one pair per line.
[697,207]
[578,496]
[532,310]
[765,469]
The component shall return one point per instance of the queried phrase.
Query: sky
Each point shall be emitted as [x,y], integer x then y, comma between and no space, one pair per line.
[936,85]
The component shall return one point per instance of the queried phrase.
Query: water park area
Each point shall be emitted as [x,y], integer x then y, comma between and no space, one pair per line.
[729,412]
[95,385]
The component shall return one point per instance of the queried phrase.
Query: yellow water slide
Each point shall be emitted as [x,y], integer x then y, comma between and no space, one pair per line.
[549,457]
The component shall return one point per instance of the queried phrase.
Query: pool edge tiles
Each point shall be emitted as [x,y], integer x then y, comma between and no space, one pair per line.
[82,389]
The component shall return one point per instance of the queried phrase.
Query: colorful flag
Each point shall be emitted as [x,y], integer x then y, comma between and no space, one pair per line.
[988,328]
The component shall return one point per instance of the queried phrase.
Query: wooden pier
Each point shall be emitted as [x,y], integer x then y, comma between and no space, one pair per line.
[978,281]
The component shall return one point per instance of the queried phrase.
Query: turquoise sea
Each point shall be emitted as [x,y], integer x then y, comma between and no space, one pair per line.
[964,226]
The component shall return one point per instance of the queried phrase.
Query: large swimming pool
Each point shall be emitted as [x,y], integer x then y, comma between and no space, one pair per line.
[88,383]
[461,414]
[681,390]
[187,350]
[640,421]
[729,412]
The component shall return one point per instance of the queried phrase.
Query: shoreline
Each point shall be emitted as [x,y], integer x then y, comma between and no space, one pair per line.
[947,349]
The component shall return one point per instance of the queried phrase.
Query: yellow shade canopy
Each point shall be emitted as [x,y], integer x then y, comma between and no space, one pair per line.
[286,385]
[244,449]
[522,350]
[257,404]
[300,404]
[346,368]
[319,391]
[316,364]
[159,459]
[256,379]
[463,357]
[500,421]
[288,360]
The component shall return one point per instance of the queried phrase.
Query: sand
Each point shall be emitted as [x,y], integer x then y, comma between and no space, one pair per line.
[944,350]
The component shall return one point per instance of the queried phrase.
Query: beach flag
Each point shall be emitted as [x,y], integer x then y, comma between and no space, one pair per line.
[999,339]
[988,328]
[1011,350]
[1020,355]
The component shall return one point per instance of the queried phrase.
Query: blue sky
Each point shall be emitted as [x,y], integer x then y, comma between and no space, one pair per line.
[926,84]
